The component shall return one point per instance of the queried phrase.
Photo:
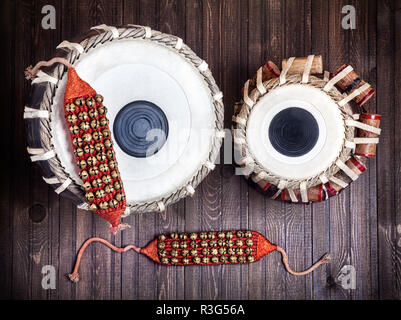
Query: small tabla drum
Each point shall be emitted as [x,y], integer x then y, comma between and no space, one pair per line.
[165,115]
[299,137]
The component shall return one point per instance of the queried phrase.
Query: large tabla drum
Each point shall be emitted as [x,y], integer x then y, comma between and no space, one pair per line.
[301,137]
[165,115]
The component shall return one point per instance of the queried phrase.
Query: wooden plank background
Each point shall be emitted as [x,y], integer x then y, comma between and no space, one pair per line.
[361,227]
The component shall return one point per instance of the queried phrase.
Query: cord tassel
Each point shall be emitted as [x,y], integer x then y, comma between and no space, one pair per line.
[326,258]
[74,276]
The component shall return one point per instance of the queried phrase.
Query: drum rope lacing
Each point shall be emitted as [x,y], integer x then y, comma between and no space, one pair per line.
[133,32]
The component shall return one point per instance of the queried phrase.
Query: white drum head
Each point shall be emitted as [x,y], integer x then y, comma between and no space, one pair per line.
[326,147]
[125,71]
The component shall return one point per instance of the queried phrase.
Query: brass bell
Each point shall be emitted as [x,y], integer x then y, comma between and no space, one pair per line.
[205,260]
[83,116]
[113,203]
[221,235]
[100,194]
[84,175]
[91,161]
[103,167]
[74,129]
[240,234]
[101,156]
[205,252]
[87,186]
[93,171]
[89,149]
[84,126]
[114,174]
[183,245]
[248,250]
[174,260]
[193,236]
[90,196]
[193,244]
[249,242]
[248,234]
[229,235]
[174,253]
[110,154]
[99,146]
[222,250]
[94,124]
[174,235]
[102,110]
[194,253]
[108,143]
[106,133]
[99,98]
[213,243]
[70,107]
[214,251]
[196,260]
[120,196]
[251,258]
[87,137]
[97,135]
[241,259]
[103,205]
[72,118]
[182,236]
[161,245]
[109,189]
[203,235]
[92,207]
[211,235]
[96,183]
[106,179]
[79,102]
[93,113]
[185,261]
[175,244]
[79,152]
[223,259]
[117,185]
[82,164]
[203,243]
[104,121]
[112,164]
[162,253]
[233,259]
[164,261]
[162,237]
[90,102]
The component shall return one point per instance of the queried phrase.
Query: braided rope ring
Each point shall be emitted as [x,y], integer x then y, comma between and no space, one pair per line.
[113,34]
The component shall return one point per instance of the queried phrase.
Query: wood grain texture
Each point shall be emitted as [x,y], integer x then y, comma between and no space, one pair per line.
[361,227]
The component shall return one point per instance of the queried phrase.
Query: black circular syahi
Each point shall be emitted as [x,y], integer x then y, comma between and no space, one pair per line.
[293,132]
[140,128]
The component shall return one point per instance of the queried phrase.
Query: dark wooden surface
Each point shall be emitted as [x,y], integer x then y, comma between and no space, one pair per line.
[361,227]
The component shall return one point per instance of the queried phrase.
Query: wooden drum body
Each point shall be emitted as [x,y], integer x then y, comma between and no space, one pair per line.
[295,133]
